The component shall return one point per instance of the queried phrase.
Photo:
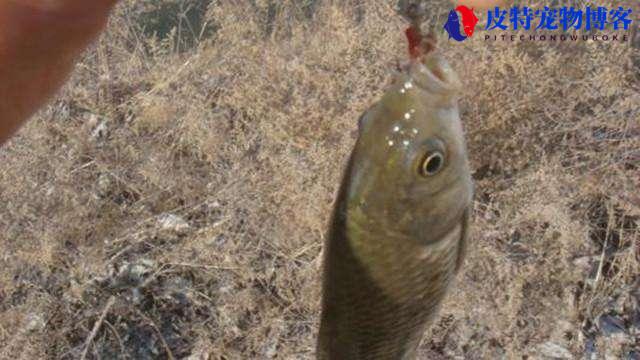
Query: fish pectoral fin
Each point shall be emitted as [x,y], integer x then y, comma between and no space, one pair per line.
[464,235]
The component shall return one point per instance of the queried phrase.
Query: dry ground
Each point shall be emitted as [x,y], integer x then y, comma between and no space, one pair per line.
[178,191]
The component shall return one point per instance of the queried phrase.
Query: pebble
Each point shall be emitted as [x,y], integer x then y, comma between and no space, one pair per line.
[104,185]
[34,322]
[171,222]
[554,351]
[611,325]
[100,131]
[132,275]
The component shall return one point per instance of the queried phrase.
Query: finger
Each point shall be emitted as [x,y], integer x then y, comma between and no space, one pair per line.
[62,6]
[39,43]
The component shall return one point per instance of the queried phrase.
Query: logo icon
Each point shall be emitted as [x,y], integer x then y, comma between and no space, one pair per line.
[453,24]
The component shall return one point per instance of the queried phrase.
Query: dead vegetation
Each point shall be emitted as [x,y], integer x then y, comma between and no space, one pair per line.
[173,201]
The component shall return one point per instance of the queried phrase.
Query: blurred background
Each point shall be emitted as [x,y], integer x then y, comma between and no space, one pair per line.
[178,191]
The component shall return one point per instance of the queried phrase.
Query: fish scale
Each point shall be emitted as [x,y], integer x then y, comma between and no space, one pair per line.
[398,230]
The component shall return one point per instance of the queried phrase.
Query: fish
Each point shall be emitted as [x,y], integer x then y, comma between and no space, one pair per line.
[452,26]
[400,223]
[469,19]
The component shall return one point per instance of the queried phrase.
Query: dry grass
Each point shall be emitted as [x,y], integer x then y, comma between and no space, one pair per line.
[242,135]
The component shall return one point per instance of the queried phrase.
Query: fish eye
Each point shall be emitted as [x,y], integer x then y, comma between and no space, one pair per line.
[432,163]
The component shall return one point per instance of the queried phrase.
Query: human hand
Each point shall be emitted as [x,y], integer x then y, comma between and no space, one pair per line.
[40,40]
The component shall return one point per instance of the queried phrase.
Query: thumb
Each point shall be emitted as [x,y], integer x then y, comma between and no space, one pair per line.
[39,43]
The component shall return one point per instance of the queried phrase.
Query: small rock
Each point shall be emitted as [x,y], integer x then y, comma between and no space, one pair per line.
[272,350]
[92,121]
[104,185]
[611,325]
[177,284]
[590,352]
[170,222]
[100,131]
[217,241]
[616,337]
[142,267]
[178,289]
[50,191]
[133,274]
[34,322]
[554,351]
[586,264]
[75,293]
[136,296]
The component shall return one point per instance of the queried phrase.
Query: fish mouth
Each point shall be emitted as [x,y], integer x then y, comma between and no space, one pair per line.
[434,74]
